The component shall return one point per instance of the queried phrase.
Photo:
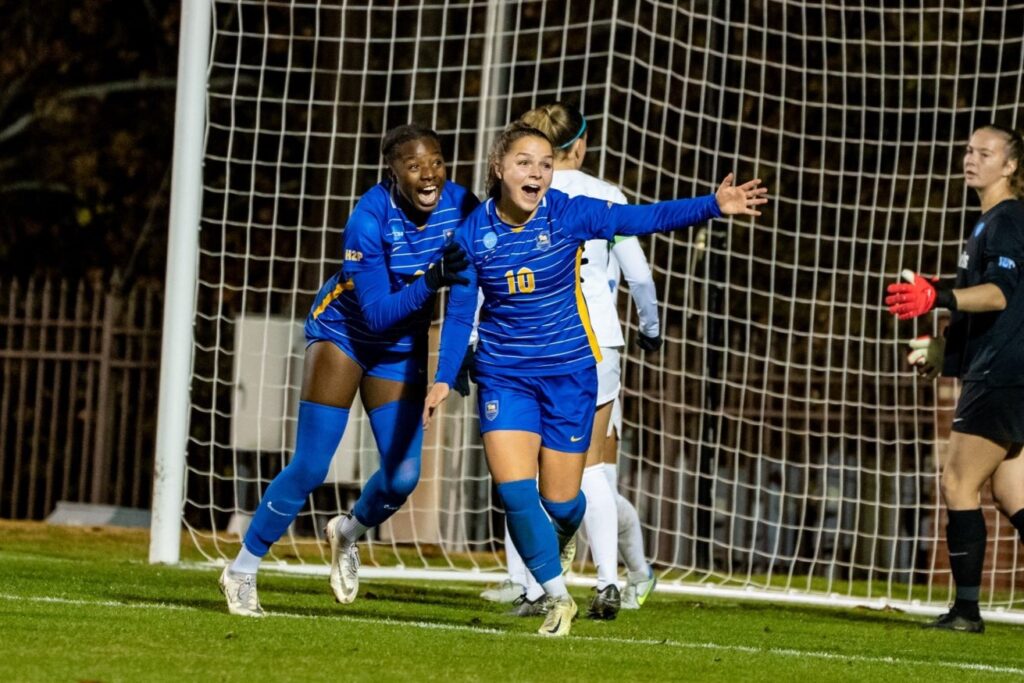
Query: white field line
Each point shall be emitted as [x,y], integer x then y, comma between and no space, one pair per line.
[426,625]
[703,590]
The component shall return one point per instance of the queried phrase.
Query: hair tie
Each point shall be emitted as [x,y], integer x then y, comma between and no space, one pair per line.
[576,137]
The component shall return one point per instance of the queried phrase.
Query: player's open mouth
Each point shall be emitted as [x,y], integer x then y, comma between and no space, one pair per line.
[427,195]
[532,192]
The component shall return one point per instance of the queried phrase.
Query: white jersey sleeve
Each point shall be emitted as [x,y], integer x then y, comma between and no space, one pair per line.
[629,257]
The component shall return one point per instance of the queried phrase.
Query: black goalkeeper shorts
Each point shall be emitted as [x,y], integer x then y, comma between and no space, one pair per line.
[996,413]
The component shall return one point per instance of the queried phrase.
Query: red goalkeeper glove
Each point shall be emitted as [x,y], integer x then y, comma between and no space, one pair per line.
[916,296]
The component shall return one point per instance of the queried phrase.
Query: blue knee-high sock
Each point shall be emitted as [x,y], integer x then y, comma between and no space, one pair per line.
[566,516]
[398,428]
[530,528]
[319,431]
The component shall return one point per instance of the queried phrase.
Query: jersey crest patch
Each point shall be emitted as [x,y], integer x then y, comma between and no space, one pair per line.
[490,240]
[397,232]
[543,240]
[491,410]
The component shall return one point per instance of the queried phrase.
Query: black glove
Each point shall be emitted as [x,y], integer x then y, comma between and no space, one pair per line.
[466,371]
[445,271]
[648,343]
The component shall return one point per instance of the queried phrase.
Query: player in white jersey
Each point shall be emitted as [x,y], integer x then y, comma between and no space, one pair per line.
[610,522]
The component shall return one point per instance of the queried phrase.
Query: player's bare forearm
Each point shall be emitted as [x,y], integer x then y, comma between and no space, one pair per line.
[980,299]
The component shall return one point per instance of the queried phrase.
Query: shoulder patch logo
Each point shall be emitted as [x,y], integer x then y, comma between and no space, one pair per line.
[353,255]
[491,410]
[978,228]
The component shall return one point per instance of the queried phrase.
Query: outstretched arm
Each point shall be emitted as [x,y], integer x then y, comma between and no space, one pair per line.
[593,218]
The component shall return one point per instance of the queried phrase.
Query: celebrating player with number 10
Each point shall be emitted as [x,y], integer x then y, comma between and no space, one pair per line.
[535,358]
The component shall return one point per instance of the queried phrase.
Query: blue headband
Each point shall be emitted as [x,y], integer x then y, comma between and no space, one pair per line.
[574,138]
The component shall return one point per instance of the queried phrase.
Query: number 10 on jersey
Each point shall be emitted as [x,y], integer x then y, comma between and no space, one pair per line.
[520,282]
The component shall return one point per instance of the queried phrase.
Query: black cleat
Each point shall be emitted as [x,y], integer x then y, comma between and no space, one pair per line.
[606,603]
[524,607]
[954,621]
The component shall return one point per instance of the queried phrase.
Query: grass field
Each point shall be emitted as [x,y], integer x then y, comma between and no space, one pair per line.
[82,604]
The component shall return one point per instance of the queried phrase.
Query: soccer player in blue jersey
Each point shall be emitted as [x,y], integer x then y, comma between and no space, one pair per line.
[536,354]
[610,522]
[982,346]
[367,332]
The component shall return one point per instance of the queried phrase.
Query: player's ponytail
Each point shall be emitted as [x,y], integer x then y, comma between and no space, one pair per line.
[513,131]
[562,123]
[1014,152]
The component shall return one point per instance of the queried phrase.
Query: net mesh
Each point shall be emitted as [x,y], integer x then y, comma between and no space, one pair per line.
[777,441]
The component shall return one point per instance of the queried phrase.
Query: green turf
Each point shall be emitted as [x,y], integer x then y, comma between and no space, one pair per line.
[83,605]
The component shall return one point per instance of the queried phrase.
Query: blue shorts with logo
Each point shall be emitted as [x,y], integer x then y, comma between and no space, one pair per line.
[560,408]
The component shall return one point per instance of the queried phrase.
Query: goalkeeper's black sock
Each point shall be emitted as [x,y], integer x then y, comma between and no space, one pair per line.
[966,536]
[1017,520]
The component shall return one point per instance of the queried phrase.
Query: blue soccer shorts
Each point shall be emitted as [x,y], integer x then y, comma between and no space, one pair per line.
[560,408]
[376,360]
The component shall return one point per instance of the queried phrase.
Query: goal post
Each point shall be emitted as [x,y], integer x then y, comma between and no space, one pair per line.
[777,446]
[179,309]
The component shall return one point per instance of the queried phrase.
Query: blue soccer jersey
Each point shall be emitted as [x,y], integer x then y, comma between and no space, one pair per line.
[379,298]
[534,321]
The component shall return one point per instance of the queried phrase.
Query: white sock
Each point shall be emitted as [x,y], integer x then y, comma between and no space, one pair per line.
[245,562]
[518,572]
[601,523]
[533,589]
[631,540]
[556,587]
[516,567]
[351,529]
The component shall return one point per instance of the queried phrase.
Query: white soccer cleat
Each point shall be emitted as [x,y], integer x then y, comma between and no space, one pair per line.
[636,592]
[506,591]
[240,591]
[344,564]
[561,612]
[568,554]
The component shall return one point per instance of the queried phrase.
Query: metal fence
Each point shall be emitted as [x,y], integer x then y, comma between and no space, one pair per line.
[78,394]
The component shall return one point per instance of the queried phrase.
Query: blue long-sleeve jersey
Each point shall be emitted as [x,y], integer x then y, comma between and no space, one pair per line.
[378,297]
[534,320]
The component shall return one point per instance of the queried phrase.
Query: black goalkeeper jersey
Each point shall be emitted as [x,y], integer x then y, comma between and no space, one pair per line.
[989,347]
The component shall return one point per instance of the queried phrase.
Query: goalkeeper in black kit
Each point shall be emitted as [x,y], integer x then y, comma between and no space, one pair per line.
[984,347]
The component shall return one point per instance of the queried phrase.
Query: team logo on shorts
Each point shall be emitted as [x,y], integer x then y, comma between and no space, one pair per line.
[490,240]
[491,410]
[543,240]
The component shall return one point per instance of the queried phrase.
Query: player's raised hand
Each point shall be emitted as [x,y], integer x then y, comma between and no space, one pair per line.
[741,199]
[926,355]
[913,297]
[438,393]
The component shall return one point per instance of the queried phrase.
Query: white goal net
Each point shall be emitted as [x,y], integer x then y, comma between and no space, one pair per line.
[777,444]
